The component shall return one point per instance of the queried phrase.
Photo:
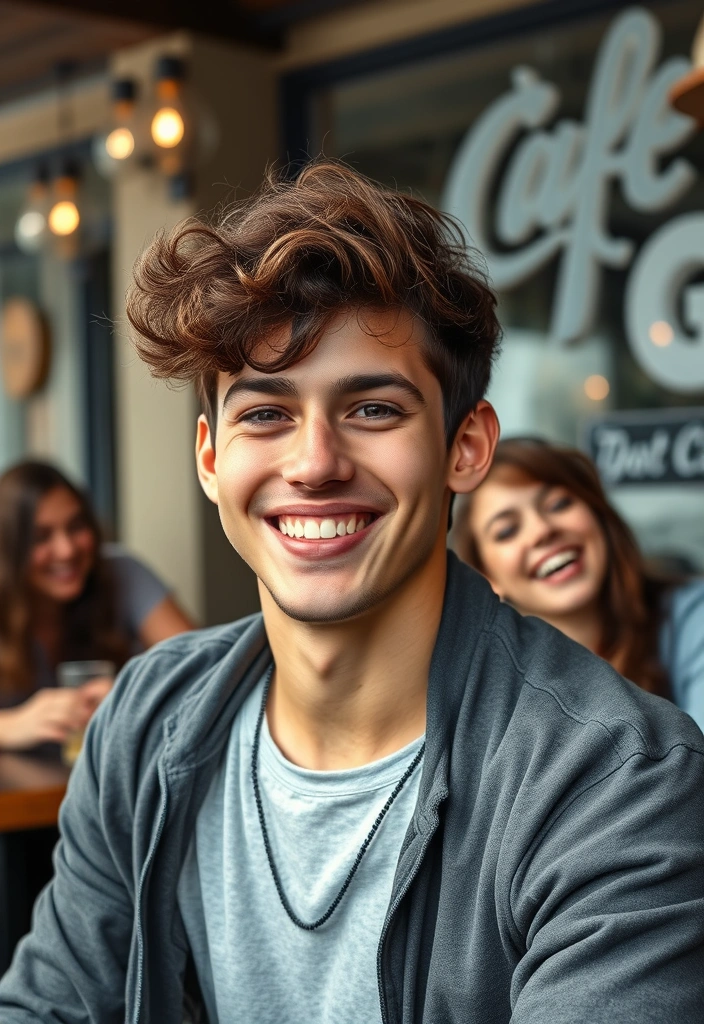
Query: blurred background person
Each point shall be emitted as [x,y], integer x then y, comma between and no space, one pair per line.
[541,529]
[64,596]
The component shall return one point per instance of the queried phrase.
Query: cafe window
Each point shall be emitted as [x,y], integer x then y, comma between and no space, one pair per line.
[571,312]
[69,420]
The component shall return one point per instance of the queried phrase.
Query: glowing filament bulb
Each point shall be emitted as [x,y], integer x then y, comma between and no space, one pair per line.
[120,143]
[167,127]
[64,217]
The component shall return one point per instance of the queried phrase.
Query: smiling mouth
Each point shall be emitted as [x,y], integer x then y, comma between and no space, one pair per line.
[554,563]
[323,527]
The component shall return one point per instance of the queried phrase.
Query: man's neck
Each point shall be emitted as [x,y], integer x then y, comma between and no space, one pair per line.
[345,694]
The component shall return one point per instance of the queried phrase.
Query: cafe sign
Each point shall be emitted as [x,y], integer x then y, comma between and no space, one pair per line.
[553,199]
[648,446]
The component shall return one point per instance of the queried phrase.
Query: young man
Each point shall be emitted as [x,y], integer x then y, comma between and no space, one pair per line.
[389,797]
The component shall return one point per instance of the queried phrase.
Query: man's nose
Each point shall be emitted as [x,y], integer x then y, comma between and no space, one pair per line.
[316,456]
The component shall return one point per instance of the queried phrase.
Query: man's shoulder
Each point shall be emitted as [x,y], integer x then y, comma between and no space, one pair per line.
[207,645]
[185,676]
[564,683]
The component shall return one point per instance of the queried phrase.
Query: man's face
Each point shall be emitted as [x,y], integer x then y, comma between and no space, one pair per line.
[330,476]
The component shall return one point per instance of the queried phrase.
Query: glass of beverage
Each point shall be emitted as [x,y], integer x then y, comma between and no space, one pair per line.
[76,673]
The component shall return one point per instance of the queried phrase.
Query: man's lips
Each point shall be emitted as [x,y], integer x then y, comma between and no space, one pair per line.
[322,537]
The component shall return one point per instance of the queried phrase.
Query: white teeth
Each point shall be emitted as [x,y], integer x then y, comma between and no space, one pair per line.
[328,529]
[555,562]
[322,529]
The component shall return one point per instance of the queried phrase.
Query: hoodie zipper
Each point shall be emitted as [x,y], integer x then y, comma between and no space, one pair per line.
[161,821]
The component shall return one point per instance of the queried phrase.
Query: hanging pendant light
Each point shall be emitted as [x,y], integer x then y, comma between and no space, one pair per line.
[116,149]
[170,126]
[31,225]
[64,218]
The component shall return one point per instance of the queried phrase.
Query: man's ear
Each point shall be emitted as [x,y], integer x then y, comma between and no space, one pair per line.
[473,449]
[205,460]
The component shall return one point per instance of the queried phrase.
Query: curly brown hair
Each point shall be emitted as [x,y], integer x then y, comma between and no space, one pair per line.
[292,257]
[632,598]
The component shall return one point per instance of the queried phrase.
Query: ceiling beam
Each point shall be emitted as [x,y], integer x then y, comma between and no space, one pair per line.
[222,18]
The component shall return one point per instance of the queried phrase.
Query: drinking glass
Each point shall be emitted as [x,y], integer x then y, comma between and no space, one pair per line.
[76,673]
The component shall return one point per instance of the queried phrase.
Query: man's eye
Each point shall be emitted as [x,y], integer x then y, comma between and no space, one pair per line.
[264,416]
[376,411]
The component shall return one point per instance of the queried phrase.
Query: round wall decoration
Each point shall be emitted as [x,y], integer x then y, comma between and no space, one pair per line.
[24,348]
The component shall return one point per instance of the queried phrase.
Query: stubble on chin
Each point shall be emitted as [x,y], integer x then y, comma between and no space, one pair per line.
[346,607]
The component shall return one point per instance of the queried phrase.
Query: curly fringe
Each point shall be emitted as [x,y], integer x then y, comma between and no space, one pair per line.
[289,259]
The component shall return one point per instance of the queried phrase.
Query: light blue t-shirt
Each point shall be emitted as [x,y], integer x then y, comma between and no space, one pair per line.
[254,965]
[681,647]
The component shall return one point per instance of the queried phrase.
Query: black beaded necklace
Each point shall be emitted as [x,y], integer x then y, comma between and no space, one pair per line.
[313,925]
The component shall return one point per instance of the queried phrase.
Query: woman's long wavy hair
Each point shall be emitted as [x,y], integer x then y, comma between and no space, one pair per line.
[632,596]
[90,628]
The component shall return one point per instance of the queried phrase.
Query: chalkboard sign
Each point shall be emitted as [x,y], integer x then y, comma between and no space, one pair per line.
[648,446]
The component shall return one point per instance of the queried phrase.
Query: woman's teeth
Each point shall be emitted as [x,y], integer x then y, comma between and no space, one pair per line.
[555,562]
[323,529]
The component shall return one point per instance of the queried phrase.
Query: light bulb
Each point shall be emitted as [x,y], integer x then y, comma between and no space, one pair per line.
[29,231]
[120,144]
[64,217]
[167,127]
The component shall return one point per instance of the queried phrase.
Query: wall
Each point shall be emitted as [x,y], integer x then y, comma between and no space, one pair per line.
[379,23]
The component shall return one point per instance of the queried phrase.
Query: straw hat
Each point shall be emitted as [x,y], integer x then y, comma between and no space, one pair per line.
[687,95]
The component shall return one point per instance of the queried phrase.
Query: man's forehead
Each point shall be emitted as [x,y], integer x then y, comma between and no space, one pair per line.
[381,341]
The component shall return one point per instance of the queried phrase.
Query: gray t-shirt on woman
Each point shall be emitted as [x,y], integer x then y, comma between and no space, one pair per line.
[254,965]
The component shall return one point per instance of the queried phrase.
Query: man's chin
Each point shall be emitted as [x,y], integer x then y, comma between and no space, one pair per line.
[324,608]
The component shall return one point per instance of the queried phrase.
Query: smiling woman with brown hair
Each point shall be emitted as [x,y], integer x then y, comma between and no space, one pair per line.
[64,597]
[542,530]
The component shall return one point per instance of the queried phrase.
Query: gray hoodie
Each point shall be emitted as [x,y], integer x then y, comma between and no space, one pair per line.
[553,871]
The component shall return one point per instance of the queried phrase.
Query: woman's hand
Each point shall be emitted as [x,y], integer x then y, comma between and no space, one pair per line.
[50,715]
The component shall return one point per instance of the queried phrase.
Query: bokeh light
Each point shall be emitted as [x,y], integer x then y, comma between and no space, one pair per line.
[29,229]
[596,387]
[661,333]
[64,217]
[120,144]
[167,127]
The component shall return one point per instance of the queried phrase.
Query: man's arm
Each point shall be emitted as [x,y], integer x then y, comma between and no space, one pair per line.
[610,902]
[72,966]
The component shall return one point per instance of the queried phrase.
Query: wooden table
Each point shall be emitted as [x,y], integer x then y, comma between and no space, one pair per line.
[31,790]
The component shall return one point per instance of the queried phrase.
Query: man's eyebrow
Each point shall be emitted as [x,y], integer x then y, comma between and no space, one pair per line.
[281,387]
[372,381]
[284,387]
